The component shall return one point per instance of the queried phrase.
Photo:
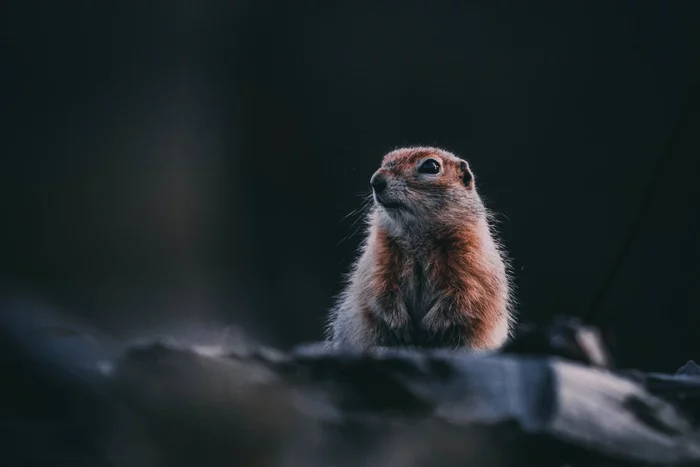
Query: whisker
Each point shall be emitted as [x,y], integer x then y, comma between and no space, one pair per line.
[351,213]
[360,212]
[366,199]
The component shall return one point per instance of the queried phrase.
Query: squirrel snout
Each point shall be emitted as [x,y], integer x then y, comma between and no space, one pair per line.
[378,182]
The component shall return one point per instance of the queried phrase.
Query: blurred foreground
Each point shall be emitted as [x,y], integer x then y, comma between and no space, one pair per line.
[73,397]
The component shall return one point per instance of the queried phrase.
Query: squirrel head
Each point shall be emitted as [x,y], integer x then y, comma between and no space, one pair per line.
[424,185]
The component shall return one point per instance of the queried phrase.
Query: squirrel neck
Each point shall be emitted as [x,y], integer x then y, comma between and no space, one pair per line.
[432,236]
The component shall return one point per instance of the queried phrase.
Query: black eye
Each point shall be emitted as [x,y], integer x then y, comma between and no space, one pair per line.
[430,166]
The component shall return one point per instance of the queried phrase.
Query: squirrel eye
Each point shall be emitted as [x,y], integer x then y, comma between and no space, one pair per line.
[430,166]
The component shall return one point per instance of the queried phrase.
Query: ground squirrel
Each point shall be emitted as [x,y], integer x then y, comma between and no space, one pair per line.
[430,272]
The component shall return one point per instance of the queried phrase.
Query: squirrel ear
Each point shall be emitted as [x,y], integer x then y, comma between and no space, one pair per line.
[467,175]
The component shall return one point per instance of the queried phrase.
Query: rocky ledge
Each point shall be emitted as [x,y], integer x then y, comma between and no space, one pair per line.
[549,398]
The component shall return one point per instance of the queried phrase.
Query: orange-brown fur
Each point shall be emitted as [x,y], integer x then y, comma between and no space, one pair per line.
[431,273]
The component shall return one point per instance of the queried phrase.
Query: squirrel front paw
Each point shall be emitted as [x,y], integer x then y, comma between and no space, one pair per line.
[442,329]
[397,325]
[436,320]
[396,318]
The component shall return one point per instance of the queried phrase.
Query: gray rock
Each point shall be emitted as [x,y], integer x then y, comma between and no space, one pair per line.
[69,400]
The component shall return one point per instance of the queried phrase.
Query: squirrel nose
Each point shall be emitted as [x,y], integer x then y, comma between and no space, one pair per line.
[378,182]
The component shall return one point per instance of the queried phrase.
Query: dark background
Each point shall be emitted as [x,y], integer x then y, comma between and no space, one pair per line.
[168,164]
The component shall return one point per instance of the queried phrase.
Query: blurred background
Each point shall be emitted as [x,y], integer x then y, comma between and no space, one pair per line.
[168,164]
